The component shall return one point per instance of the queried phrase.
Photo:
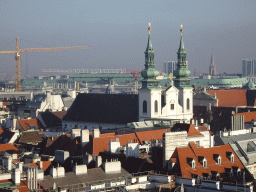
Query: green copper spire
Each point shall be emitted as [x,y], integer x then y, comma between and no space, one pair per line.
[149,73]
[181,73]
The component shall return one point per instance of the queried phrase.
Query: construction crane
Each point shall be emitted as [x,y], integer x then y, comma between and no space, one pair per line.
[18,52]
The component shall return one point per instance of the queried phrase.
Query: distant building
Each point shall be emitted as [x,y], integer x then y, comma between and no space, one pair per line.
[169,66]
[248,67]
[212,68]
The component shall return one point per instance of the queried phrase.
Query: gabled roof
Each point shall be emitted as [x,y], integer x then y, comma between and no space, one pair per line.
[59,114]
[26,123]
[31,137]
[1,130]
[192,151]
[248,116]
[104,108]
[227,98]
[189,128]
[58,143]
[8,147]
[51,119]
[46,164]
[203,128]
[148,135]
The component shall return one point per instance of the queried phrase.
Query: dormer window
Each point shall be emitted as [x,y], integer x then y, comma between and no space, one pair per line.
[238,171]
[204,163]
[231,173]
[219,160]
[193,164]
[217,177]
[232,158]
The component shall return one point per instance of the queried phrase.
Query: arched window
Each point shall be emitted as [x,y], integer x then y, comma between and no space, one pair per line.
[156,106]
[187,103]
[145,110]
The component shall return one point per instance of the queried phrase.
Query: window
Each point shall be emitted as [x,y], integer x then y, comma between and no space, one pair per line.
[172,106]
[187,103]
[156,106]
[145,106]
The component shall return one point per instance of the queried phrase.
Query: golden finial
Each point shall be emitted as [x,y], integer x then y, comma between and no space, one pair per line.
[181,29]
[149,28]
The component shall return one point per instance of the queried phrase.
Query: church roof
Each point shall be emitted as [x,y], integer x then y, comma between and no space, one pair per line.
[104,108]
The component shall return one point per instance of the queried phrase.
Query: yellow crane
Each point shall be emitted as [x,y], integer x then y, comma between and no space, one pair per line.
[18,52]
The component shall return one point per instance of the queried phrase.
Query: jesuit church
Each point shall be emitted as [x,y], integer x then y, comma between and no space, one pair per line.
[175,102]
[107,111]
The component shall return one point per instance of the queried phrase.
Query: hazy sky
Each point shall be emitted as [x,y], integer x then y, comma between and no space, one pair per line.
[116,32]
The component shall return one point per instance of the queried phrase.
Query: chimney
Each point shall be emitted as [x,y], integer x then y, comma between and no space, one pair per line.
[84,137]
[112,167]
[57,172]
[96,133]
[196,123]
[14,123]
[20,166]
[87,159]
[201,120]
[53,172]
[80,169]
[16,176]
[75,133]
[8,162]
[98,161]
[40,164]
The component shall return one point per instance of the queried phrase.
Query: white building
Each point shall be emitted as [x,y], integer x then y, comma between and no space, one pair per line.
[175,102]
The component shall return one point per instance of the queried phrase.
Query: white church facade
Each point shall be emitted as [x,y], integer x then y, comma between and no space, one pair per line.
[175,102]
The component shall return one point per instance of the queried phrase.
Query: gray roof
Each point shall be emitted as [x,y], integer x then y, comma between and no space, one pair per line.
[67,101]
[244,146]
[93,175]
[204,96]
[233,139]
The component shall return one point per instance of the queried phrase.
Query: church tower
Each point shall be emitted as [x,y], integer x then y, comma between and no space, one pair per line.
[182,82]
[150,93]
[212,68]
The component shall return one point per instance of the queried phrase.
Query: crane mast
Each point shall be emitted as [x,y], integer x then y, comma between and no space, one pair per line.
[18,52]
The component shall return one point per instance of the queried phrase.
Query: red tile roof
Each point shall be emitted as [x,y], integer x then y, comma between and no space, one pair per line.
[46,164]
[8,147]
[60,114]
[228,98]
[32,164]
[193,152]
[248,116]
[191,130]
[1,131]
[25,123]
[102,143]
[203,128]
[148,135]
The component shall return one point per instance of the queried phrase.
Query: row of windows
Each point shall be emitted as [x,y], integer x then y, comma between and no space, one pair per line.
[156,106]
